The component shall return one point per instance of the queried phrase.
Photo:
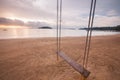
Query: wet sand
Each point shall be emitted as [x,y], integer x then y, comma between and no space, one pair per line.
[35,59]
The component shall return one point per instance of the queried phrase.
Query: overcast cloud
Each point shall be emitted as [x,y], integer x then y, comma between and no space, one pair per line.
[75,12]
[29,24]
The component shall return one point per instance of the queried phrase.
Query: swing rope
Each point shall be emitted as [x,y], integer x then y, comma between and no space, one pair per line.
[89,33]
[73,63]
[59,24]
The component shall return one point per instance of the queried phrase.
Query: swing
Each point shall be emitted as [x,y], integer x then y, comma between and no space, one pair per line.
[81,69]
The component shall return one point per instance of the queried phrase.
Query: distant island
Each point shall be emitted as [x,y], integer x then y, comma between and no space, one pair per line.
[114,28]
[45,27]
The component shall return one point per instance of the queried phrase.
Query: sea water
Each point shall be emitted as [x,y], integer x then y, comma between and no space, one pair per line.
[41,33]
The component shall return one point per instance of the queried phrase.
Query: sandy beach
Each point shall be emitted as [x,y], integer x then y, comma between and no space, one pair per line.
[35,59]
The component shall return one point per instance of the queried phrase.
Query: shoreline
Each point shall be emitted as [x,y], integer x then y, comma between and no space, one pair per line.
[55,37]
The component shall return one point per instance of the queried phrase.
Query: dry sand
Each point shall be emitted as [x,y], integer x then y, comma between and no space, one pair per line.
[35,59]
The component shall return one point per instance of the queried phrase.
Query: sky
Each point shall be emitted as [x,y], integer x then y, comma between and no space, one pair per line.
[37,13]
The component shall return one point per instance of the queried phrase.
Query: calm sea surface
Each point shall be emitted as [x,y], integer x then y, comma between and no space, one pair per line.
[40,33]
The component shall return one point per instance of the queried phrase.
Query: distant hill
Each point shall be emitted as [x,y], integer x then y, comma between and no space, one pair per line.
[45,27]
[114,28]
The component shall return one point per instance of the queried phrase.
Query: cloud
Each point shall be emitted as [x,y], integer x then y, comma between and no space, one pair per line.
[31,24]
[106,20]
[36,24]
[5,21]
[103,7]
[75,12]
[24,9]
[112,13]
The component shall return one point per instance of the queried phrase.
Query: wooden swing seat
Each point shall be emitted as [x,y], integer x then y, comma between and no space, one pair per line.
[74,64]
